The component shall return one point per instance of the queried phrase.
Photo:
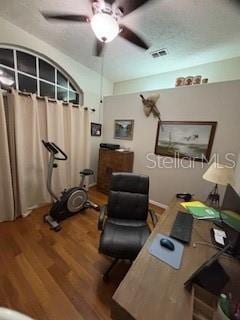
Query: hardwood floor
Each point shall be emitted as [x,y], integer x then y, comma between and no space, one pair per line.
[57,276]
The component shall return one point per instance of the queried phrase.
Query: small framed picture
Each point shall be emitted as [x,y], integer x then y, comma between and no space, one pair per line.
[96,129]
[179,82]
[197,80]
[123,129]
[188,81]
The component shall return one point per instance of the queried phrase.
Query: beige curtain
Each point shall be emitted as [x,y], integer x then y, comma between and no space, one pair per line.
[55,133]
[30,120]
[69,127]
[26,144]
[77,142]
[6,190]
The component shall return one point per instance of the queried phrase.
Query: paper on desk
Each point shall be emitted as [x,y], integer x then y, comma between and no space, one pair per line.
[219,236]
[186,205]
[219,239]
[220,233]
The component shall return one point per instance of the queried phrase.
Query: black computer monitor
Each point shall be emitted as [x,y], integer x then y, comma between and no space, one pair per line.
[230,216]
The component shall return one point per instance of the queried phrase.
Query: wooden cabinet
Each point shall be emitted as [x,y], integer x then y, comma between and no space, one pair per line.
[112,161]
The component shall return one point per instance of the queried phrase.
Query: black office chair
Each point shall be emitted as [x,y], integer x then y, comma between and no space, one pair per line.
[123,220]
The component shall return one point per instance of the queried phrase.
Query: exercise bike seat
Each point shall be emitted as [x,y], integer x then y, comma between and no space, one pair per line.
[87,172]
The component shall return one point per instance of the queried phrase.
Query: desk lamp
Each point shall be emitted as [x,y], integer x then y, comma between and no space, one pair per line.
[218,174]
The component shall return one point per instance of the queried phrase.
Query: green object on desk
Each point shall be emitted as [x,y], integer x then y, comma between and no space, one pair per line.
[231,218]
[224,304]
[204,213]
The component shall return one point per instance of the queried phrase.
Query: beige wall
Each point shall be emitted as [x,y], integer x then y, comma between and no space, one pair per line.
[237,175]
[213,102]
[224,70]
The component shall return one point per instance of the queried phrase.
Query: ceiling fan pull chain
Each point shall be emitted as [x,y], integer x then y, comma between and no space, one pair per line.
[101,80]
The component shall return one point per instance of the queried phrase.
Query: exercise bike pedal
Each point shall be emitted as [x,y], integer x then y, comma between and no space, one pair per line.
[54,225]
[57,228]
[87,205]
[94,206]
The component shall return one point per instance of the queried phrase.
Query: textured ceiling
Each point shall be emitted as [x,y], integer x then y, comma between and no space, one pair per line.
[193,31]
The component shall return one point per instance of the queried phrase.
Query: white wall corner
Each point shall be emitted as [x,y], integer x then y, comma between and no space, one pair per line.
[237,175]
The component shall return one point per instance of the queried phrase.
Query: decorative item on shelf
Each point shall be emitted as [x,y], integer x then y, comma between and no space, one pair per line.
[197,80]
[185,139]
[188,81]
[205,80]
[149,106]
[123,129]
[218,174]
[96,129]
[179,82]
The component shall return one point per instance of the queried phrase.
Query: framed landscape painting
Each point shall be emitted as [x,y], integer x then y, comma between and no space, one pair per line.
[123,129]
[185,139]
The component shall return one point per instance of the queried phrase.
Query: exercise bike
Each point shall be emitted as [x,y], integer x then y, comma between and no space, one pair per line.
[72,200]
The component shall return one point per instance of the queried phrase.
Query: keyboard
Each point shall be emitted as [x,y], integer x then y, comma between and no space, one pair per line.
[182,227]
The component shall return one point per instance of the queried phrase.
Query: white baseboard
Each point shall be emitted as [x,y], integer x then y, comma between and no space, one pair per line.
[158,204]
[92,185]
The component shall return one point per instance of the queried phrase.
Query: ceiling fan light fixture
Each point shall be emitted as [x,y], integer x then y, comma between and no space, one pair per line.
[105,27]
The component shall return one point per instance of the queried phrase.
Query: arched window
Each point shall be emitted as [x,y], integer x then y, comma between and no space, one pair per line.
[29,72]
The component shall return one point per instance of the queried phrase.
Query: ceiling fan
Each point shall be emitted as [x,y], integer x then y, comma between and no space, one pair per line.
[105,21]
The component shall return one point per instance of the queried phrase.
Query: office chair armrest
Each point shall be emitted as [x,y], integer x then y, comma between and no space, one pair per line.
[153,216]
[101,219]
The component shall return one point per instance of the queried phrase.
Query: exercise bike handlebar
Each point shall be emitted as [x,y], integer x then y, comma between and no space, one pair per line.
[55,150]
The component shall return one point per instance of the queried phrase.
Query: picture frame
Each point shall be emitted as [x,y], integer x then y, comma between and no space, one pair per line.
[197,80]
[96,129]
[191,140]
[179,82]
[123,129]
[188,81]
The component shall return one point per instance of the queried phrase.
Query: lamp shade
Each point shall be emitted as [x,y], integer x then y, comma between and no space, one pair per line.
[219,174]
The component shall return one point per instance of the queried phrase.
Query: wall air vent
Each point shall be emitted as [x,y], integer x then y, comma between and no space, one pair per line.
[159,53]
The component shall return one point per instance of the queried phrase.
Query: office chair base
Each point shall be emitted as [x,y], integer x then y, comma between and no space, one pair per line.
[106,274]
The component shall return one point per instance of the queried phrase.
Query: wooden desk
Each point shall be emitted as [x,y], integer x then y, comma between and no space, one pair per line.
[152,290]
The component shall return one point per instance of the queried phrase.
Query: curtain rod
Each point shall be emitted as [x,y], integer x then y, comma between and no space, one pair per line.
[49,99]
